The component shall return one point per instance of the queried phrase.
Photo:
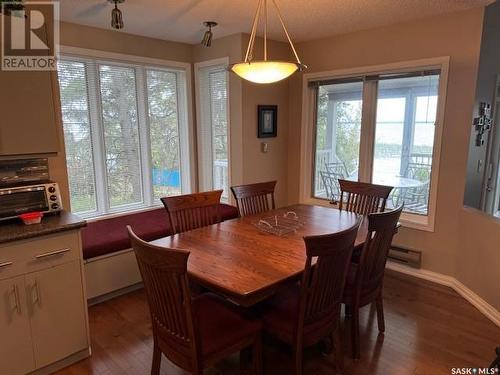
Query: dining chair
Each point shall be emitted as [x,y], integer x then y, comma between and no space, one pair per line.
[191,211]
[254,198]
[363,198]
[192,333]
[365,278]
[307,314]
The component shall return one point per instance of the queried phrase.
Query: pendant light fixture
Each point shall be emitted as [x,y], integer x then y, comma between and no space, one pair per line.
[266,71]
[116,15]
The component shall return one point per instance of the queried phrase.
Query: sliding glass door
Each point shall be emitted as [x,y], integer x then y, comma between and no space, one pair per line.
[378,129]
[338,136]
[404,139]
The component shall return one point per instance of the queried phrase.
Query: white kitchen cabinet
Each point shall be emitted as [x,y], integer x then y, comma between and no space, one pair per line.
[57,312]
[16,350]
[43,309]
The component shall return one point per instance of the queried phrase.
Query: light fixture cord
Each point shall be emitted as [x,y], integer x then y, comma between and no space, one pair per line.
[265,30]
[249,54]
[286,32]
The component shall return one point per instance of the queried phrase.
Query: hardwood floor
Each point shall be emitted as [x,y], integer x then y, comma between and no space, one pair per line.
[429,330]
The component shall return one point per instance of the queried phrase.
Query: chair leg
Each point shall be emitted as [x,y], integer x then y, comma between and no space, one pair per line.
[155,367]
[339,350]
[298,362]
[245,356]
[379,303]
[257,355]
[355,332]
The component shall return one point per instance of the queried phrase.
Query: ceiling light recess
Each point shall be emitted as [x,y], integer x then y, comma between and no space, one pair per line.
[266,71]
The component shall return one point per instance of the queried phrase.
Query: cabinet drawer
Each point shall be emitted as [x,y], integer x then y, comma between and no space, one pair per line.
[38,253]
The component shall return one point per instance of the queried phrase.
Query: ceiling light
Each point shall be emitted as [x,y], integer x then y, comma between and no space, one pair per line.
[266,71]
[116,15]
[207,38]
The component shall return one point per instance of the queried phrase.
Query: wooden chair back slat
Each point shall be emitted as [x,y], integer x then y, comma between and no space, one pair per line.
[323,283]
[254,198]
[191,211]
[164,274]
[381,229]
[363,198]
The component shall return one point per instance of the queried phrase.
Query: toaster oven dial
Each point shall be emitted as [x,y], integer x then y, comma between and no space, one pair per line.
[52,189]
[53,197]
[54,206]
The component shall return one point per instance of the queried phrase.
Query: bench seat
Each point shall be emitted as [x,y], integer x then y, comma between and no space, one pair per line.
[110,235]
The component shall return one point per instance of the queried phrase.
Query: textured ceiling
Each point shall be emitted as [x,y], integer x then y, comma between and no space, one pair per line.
[181,20]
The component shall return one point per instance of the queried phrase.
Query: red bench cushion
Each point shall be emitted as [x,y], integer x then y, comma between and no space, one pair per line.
[110,235]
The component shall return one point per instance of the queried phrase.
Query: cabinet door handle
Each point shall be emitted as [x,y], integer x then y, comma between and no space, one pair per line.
[6,264]
[51,254]
[35,293]
[17,300]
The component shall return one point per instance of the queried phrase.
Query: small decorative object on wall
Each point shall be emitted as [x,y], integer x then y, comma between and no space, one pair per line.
[482,122]
[268,121]
[9,6]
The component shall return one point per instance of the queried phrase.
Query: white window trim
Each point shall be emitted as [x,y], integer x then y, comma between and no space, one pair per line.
[425,223]
[197,67]
[185,105]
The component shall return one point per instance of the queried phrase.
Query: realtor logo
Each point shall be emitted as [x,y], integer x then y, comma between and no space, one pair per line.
[30,35]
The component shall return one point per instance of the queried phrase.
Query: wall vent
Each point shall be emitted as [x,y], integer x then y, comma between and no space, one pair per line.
[412,258]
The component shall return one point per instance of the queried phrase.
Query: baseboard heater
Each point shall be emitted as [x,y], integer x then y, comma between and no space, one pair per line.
[412,258]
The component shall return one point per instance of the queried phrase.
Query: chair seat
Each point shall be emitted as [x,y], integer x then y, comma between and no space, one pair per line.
[220,325]
[280,316]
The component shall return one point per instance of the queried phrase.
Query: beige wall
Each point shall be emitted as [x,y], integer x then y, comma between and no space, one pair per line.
[259,166]
[478,254]
[465,243]
[120,42]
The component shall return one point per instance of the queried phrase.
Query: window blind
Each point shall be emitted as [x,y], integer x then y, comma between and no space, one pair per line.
[213,129]
[163,132]
[125,130]
[121,134]
[77,135]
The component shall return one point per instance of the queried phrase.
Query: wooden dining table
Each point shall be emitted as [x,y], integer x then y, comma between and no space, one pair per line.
[237,260]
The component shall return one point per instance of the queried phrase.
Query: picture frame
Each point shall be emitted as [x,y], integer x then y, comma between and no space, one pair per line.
[267,121]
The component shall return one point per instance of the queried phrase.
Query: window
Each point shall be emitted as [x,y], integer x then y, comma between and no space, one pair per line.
[123,131]
[213,123]
[378,128]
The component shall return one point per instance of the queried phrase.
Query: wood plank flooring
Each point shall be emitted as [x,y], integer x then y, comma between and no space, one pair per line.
[429,330]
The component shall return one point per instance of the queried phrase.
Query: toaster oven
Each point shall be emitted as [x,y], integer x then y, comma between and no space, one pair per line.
[15,201]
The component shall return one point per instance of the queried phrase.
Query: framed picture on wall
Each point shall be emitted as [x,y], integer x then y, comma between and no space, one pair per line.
[268,121]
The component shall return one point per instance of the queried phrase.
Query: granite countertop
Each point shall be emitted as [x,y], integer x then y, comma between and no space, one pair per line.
[14,230]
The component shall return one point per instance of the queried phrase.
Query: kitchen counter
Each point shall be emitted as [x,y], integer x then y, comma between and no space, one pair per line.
[14,230]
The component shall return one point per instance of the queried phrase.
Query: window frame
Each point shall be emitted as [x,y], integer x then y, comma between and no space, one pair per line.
[214,63]
[185,128]
[368,128]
